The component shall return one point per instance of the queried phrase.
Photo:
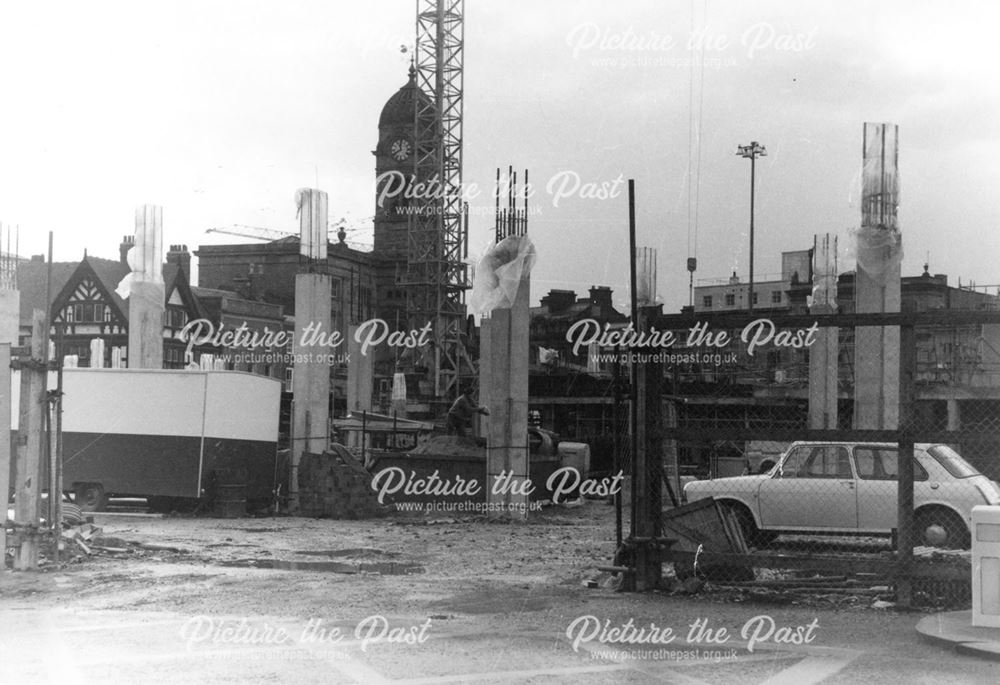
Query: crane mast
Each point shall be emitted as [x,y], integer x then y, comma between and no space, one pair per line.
[436,275]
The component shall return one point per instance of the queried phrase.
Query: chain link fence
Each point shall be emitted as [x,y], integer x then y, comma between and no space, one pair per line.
[854,452]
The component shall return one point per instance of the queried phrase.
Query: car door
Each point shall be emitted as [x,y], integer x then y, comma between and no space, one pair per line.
[813,489]
[877,467]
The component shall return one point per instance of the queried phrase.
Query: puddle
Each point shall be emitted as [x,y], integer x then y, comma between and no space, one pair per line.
[261,530]
[354,552]
[382,568]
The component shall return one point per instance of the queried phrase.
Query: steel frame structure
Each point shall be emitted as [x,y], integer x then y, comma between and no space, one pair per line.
[436,276]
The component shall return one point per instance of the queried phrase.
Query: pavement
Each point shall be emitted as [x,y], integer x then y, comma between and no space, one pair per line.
[954,629]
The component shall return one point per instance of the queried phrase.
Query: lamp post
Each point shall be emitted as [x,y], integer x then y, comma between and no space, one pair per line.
[751,152]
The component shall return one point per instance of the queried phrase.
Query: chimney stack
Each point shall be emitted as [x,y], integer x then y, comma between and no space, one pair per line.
[559,300]
[601,296]
[179,255]
[128,242]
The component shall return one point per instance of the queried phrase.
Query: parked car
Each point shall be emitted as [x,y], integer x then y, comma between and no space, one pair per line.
[843,487]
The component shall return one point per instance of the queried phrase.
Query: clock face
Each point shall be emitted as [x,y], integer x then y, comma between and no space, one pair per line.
[400,149]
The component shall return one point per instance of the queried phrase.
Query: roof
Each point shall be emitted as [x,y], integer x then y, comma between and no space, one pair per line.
[32,277]
[582,308]
[401,107]
[212,292]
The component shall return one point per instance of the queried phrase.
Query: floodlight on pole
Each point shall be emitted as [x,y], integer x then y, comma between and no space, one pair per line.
[751,152]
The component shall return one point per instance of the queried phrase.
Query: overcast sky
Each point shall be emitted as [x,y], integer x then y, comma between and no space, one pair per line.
[219,111]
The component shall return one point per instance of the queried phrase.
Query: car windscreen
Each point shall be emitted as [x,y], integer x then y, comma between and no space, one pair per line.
[952,461]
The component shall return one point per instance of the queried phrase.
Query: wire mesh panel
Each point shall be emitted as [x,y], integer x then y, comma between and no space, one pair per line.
[885,502]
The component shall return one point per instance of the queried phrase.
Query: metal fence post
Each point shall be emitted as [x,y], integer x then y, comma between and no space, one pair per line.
[905,535]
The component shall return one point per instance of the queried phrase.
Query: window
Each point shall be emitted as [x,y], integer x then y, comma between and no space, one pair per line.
[755,297]
[829,461]
[173,358]
[706,301]
[85,312]
[817,461]
[174,317]
[952,461]
[794,463]
[289,374]
[879,463]
[776,297]
[730,299]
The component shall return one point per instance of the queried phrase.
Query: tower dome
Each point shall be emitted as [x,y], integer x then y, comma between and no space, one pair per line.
[400,107]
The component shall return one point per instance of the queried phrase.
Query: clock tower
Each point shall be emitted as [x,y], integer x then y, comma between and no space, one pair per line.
[394,171]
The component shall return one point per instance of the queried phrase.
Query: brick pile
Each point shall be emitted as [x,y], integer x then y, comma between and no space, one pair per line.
[334,484]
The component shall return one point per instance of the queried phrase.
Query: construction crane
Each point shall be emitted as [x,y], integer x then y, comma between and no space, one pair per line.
[257,232]
[436,276]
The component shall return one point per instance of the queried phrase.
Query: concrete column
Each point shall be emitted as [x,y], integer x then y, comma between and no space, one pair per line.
[5,460]
[954,415]
[824,353]
[10,311]
[485,354]
[360,375]
[876,373]
[146,292]
[876,368]
[311,376]
[507,379]
[28,474]
[823,374]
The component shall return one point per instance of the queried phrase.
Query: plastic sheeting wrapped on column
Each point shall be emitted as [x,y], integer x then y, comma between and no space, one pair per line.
[876,250]
[499,274]
[145,258]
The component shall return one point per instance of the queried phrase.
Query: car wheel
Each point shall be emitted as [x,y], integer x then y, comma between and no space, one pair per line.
[941,528]
[90,497]
[754,536]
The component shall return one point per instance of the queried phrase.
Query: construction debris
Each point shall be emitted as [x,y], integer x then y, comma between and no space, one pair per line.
[84,532]
[334,484]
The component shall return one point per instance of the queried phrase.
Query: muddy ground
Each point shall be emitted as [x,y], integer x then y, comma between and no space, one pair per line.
[469,601]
